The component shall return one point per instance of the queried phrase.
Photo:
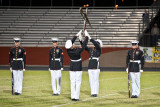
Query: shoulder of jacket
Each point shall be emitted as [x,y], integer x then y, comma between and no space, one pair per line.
[22,48]
[130,50]
[13,47]
[139,50]
[50,49]
[60,48]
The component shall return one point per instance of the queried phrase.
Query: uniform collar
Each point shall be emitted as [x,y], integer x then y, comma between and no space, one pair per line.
[55,47]
[74,48]
[17,47]
[94,48]
[135,49]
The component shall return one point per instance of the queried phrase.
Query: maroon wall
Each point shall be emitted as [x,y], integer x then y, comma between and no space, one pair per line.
[40,55]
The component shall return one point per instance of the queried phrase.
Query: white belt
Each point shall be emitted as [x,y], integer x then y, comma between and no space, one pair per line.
[94,58]
[18,59]
[56,59]
[76,60]
[138,61]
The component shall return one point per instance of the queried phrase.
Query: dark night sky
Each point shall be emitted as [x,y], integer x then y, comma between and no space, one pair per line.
[75,2]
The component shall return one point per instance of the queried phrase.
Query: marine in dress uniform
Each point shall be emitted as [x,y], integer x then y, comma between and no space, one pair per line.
[17,61]
[75,65]
[93,66]
[134,66]
[55,66]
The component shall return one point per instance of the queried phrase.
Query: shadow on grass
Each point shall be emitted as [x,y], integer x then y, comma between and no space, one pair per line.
[158,94]
[47,92]
[149,105]
[7,91]
[68,96]
[123,93]
[86,92]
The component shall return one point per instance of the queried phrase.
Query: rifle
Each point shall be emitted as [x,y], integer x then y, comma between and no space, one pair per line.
[129,93]
[85,18]
[12,82]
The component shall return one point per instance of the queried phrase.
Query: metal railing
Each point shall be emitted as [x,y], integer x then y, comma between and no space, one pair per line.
[145,30]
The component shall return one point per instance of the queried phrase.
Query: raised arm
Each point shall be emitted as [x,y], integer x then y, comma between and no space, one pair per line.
[84,44]
[95,44]
[74,39]
[86,48]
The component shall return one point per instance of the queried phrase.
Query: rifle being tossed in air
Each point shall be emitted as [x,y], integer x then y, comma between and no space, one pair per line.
[85,17]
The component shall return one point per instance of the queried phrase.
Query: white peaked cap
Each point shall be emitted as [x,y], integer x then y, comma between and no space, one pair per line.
[100,42]
[68,44]
[135,41]
[16,39]
[54,39]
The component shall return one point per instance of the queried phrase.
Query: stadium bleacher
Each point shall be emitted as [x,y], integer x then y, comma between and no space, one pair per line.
[35,27]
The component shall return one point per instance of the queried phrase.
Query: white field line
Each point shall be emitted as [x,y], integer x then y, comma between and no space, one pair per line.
[85,100]
[150,88]
[99,97]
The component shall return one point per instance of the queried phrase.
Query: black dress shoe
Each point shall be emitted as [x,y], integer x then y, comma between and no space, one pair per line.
[95,95]
[16,93]
[54,94]
[73,99]
[76,99]
[92,95]
[133,96]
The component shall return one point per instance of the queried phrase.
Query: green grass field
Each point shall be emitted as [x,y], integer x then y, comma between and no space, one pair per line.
[113,92]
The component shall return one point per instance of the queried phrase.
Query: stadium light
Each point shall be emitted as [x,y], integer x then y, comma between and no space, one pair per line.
[116,6]
[87,5]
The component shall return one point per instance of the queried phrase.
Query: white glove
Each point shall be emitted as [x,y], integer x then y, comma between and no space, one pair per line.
[49,69]
[79,33]
[11,69]
[62,69]
[86,34]
[80,37]
[23,70]
[127,70]
[141,70]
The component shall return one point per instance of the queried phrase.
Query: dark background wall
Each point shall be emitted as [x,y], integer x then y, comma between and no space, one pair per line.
[40,55]
[76,2]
